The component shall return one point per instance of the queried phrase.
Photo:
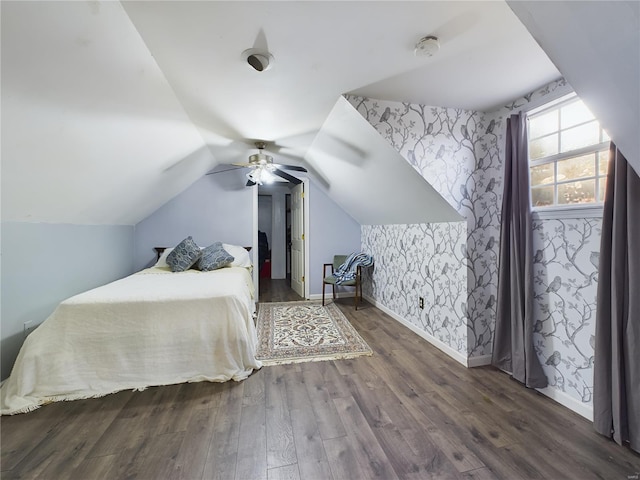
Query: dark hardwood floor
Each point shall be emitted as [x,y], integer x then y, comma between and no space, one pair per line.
[406,412]
[277,291]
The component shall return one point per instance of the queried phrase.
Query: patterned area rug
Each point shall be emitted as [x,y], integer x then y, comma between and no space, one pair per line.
[295,332]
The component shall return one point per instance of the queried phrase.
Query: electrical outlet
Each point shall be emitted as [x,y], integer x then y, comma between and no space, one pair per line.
[421,303]
[28,327]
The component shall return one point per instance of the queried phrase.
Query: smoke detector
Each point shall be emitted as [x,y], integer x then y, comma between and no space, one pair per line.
[427,46]
[259,60]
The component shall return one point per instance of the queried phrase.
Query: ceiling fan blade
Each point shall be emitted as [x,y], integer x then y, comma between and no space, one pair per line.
[291,167]
[246,165]
[286,176]
[222,171]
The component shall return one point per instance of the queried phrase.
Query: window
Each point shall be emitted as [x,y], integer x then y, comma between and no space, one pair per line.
[568,155]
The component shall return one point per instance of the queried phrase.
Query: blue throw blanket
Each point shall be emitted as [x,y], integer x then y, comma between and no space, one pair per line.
[347,271]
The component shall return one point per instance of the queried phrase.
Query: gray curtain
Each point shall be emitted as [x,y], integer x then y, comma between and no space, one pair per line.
[513,341]
[616,401]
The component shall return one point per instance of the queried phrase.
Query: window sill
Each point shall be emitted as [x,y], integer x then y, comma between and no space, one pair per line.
[577,211]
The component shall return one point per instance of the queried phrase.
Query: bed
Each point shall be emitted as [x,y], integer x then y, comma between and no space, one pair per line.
[152,328]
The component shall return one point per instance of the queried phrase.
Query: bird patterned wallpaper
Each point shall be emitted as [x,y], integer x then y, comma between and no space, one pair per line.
[458,152]
[402,274]
[461,154]
[567,252]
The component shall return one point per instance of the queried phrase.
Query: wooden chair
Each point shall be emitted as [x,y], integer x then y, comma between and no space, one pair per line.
[331,280]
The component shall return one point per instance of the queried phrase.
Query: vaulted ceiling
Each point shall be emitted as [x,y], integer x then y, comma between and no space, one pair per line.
[109,109]
[597,46]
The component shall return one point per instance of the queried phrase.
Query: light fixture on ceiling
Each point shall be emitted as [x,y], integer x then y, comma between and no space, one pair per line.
[262,174]
[259,60]
[263,166]
[263,170]
[427,46]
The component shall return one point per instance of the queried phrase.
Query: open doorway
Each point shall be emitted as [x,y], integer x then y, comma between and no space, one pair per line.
[281,242]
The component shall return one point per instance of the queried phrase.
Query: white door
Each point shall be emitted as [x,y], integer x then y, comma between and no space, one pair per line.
[297,239]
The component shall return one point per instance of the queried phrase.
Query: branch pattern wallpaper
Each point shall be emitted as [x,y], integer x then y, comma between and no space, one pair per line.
[403,273]
[457,152]
[461,154]
[566,255]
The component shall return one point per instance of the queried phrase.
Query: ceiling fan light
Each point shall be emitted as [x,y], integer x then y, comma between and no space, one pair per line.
[267,177]
[254,176]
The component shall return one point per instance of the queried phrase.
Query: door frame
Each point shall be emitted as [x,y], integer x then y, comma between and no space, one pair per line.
[307,223]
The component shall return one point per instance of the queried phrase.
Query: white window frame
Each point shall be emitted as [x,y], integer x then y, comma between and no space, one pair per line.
[593,209]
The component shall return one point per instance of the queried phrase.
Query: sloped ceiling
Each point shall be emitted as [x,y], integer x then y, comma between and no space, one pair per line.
[92,132]
[596,45]
[375,184]
[110,109]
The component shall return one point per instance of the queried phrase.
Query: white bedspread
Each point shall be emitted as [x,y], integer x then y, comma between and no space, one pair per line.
[151,328]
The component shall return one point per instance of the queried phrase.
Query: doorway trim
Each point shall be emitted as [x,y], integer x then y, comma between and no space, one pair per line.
[307,223]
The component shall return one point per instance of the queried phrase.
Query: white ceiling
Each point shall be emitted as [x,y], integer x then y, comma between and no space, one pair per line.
[376,185]
[110,109]
[598,46]
[324,49]
[91,130]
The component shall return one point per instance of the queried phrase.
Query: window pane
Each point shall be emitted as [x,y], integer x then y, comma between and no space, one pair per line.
[543,124]
[542,174]
[542,196]
[577,192]
[603,188]
[571,135]
[577,167]
[581,136]
[603,166]
[574,114]
[543,147]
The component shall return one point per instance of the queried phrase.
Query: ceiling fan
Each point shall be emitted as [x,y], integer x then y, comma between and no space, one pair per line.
[263,169]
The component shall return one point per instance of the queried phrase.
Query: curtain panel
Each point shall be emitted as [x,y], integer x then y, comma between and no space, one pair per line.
[616,401]
[513,349]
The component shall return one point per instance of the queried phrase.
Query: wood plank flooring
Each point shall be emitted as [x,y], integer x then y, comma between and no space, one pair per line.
[407,412]
[277,291]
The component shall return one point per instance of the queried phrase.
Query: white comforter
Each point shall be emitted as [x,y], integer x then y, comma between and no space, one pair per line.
[151,328]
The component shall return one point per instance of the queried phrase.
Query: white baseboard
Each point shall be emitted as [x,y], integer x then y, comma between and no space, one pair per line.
[562,398]
[571,403]
[457,356]
[479,361]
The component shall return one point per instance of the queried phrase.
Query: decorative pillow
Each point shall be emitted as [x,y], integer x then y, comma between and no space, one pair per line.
[240,254]
[184,255]
[214,257]
[162,261]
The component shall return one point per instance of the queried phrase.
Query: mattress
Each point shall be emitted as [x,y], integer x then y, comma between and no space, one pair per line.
[151,328]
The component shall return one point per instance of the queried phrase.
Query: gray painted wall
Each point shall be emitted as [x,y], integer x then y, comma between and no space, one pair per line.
[331,231]
[43,264]
[215,208]
[219,207]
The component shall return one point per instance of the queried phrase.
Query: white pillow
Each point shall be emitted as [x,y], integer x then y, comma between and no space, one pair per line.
[162,261]
[240,255]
